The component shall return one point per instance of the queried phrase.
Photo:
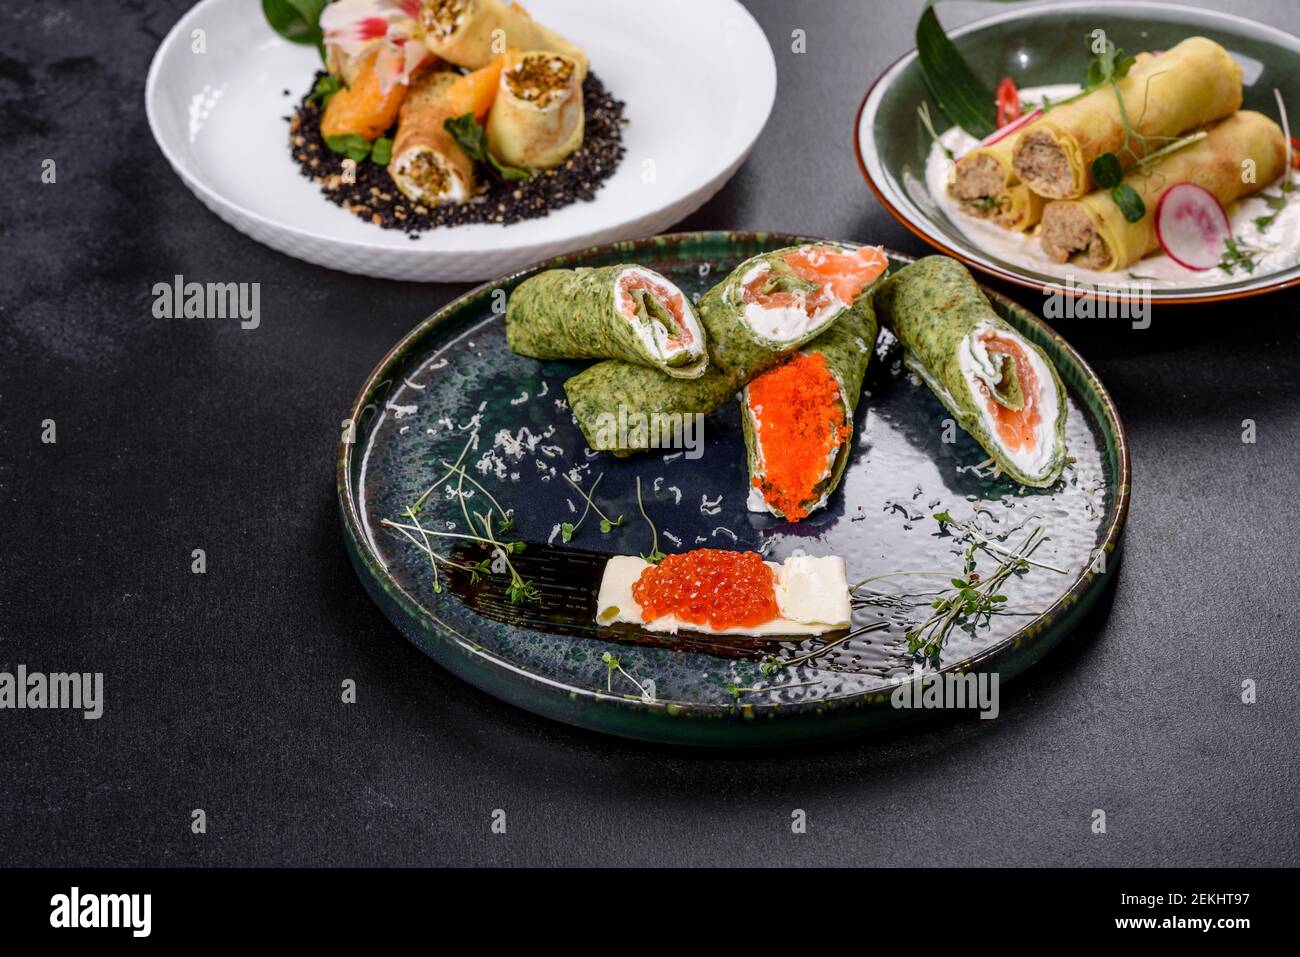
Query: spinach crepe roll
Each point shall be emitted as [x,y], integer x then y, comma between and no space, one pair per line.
[537,118]
[428,165]
[1186,87]
[773,303]
[798,417]
[984,185]
[1092,232]
[612,312]
[624,408]
[470,33]
[998,386]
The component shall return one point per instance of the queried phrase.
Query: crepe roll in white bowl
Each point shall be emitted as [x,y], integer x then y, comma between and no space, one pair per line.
[470,33]
[537,119]
[428,165]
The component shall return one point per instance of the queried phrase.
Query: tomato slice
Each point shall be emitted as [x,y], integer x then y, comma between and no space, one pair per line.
[1008,100]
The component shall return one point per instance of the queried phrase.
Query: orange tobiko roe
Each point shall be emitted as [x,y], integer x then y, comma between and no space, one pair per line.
[800,419]
[709,586]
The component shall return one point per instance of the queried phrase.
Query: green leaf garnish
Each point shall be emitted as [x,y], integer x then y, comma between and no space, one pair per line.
[959,93]
[354,146]
[298,21]
[472,138]
[1129,202]
[325,87]
[1107,171]
[382,153]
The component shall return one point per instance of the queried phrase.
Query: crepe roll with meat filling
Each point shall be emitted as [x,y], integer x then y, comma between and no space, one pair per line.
[611,312]
[470,33]
[984,185]
[998,386]
[798,417]
[537,119]
[1093,233]
[1181,89]
[773,303]
[427,164]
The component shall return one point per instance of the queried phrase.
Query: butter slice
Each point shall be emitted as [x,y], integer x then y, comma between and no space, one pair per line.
[812,595]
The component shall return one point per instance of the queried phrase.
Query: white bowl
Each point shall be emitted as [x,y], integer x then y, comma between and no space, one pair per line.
[698,77]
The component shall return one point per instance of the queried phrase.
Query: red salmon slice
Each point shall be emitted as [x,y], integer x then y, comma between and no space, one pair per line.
[845,272]
[1018,429]
[670,300]
[841,274]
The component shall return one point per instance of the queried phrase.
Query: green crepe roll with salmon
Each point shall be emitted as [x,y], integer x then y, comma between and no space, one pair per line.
[998,386]
[798,417]
[612,312]
[773,303]
[624,408]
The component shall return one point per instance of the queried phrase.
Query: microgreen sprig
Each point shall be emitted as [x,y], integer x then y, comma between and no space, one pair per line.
[655,556]
[770,664]
[519,589]
[607,524]
[613,664]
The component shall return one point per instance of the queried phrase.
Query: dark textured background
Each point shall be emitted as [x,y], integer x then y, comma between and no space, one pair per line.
[223,689]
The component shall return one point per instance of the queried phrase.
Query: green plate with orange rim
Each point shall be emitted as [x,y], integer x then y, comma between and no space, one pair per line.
[453,375]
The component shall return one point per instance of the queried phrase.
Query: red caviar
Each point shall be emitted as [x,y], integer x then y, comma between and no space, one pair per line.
[801,420]
[709,586]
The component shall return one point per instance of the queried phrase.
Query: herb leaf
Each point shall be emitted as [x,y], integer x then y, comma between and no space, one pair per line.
[382,153]
[1129,202]
[325,87]
[1107,171]
[959,93]
[471,137]
[298,21]
[354,146]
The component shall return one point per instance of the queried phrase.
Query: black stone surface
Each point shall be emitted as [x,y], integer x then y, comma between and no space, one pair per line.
[222,690]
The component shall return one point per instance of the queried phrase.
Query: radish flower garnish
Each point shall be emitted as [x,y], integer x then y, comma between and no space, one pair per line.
[390,29]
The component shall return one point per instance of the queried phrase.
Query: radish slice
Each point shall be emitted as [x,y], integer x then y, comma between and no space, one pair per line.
[1192,226]
[1012,127]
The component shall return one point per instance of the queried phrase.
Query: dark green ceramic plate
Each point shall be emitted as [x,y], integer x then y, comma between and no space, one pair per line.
[453,372]
[1046,44]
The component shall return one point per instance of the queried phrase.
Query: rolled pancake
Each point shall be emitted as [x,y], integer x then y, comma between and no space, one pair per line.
[1182,89]
[537,118]
[773,303]
[611,312]
[984,184]
[428,165]
[624,408]
[1093,233]
[813,395]
[998,386]
[470,33]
